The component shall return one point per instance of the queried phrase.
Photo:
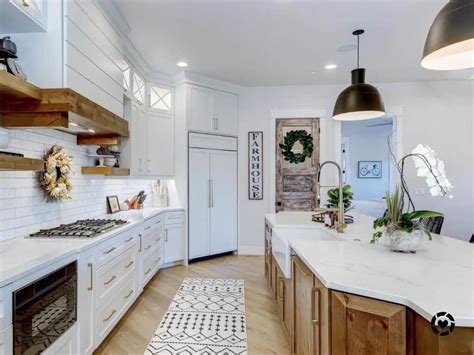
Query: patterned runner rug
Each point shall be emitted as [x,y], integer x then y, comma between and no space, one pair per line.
[207,316]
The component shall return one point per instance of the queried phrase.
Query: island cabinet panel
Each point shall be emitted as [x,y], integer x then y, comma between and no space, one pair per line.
[361,325]
[283,294]
[274,278]
[268,252]
[426,342]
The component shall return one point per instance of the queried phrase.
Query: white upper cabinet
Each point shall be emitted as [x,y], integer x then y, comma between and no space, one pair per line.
[161,98]
[160,144]
[200,108]
[22,16]
[138,137]
[212,110]
[225,112]
[138,88]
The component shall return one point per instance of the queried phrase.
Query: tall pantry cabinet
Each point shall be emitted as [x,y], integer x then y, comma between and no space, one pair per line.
[212,195]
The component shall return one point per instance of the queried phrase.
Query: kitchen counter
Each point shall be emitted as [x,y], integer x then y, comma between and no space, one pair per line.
[439,277]
[20,256]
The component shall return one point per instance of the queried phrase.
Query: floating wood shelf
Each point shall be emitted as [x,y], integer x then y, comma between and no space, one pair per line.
[13,163]
[23,105]
[97,139]
[104,170]
[13,87]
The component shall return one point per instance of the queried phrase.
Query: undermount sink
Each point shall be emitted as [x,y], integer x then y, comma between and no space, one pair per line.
[281,249]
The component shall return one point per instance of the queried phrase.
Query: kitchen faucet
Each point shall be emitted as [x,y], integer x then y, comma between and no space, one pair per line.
[341,224]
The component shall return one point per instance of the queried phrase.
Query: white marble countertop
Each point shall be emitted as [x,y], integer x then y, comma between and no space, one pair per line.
[439,277]
[22,255]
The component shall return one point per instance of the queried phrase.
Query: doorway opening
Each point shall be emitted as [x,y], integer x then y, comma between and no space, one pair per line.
[367,162]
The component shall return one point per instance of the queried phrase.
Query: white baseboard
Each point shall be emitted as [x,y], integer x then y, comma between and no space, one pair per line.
[250,250]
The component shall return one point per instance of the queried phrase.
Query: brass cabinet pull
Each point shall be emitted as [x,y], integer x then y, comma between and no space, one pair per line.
[157,239]
[89,265]
[25,3]
[315,290]
[166,235]
[110,315]
[148,247]
[129,294]
[140,248]
[281,287]
[128,240]
[147,228]
[148,271]
[129,264]
[110,250]
[111,279]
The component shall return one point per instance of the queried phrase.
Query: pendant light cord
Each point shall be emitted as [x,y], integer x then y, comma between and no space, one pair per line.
[358,45]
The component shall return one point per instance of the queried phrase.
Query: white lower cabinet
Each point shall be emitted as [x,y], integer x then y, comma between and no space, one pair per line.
[174,243]
[85,302]
[6,340]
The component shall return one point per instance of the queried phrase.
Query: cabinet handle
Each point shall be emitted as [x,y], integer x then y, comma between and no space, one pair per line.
[148,166]
[111,279]
[147,228]
[106,319]
[166,235]
[110,250]
[129,294]
[89,265]
[157,239]
[209,193]
[148,271]
[25,3]
[129,264]
[140,247]
[217,123]
[281,288]
[148,247]
[128,240]
[315,290]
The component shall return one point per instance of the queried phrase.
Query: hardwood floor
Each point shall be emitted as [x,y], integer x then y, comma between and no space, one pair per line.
[264,330]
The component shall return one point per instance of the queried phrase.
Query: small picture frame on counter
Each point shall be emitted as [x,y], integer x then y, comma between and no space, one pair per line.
[113,203]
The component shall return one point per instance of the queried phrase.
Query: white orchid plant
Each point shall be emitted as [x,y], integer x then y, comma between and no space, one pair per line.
[428,165]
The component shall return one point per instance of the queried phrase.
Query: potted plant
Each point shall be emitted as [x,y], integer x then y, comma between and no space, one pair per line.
[403,230]
[347,195]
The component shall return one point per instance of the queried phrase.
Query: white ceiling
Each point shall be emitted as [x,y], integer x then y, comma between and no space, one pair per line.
[283,42]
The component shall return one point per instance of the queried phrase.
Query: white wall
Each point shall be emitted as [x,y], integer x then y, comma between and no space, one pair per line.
[367,144]
[436,113]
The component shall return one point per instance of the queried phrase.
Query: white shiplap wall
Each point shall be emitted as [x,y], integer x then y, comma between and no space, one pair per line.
[93,54]
[22,206]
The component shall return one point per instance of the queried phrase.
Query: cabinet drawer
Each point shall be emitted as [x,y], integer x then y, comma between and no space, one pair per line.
[109,314]
[152,241]
[5,306]
[110,249]
[6,341]
[153,223]
[174,217]
[110,275]
[151,265]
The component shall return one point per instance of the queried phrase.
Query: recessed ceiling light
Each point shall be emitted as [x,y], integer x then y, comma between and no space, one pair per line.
[330,66]
[346,48]
[182,64]
[91,130]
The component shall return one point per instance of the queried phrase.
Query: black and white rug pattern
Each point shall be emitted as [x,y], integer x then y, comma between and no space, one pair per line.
[207,316]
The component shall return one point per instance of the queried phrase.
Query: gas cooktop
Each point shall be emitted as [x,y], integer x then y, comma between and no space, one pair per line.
[84,228]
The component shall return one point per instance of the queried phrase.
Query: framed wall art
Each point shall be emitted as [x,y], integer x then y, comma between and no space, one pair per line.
[370,169]
[113,204]
[255,166]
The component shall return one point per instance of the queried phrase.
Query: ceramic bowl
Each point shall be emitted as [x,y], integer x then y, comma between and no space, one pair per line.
[110,161]
[4,138]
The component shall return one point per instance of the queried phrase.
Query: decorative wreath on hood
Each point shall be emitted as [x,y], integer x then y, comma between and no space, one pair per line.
[304,138]
[55,181]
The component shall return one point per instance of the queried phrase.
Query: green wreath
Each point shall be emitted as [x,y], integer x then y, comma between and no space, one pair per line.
[305,139]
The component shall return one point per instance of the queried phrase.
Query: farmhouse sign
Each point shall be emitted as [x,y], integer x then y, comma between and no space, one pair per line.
[255,165]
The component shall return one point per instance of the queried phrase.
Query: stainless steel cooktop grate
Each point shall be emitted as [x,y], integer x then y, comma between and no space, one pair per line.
[85,228]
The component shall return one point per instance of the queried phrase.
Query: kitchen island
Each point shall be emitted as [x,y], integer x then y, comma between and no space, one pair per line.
[337,293]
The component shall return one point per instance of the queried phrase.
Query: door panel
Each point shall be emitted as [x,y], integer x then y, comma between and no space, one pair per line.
[200,112]
[296,184]
[139,134]
[174,243]
[224,201]
[160,145]
[225,111]
[199,199]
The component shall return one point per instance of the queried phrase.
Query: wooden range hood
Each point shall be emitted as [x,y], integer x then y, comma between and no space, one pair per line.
[23,105]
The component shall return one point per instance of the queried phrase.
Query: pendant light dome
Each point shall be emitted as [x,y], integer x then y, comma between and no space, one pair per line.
[450,41]
[360,101]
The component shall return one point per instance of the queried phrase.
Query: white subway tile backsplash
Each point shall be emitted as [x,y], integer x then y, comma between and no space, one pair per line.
[23,209]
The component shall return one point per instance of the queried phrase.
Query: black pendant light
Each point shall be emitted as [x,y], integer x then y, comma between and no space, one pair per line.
[360,101]
[450,41]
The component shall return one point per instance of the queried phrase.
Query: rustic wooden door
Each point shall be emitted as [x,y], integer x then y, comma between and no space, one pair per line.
[296,183]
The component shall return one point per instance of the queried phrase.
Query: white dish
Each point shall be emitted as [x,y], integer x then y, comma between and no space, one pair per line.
[110,161]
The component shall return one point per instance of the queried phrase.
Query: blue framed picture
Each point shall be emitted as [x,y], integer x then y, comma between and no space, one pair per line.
[370,169]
